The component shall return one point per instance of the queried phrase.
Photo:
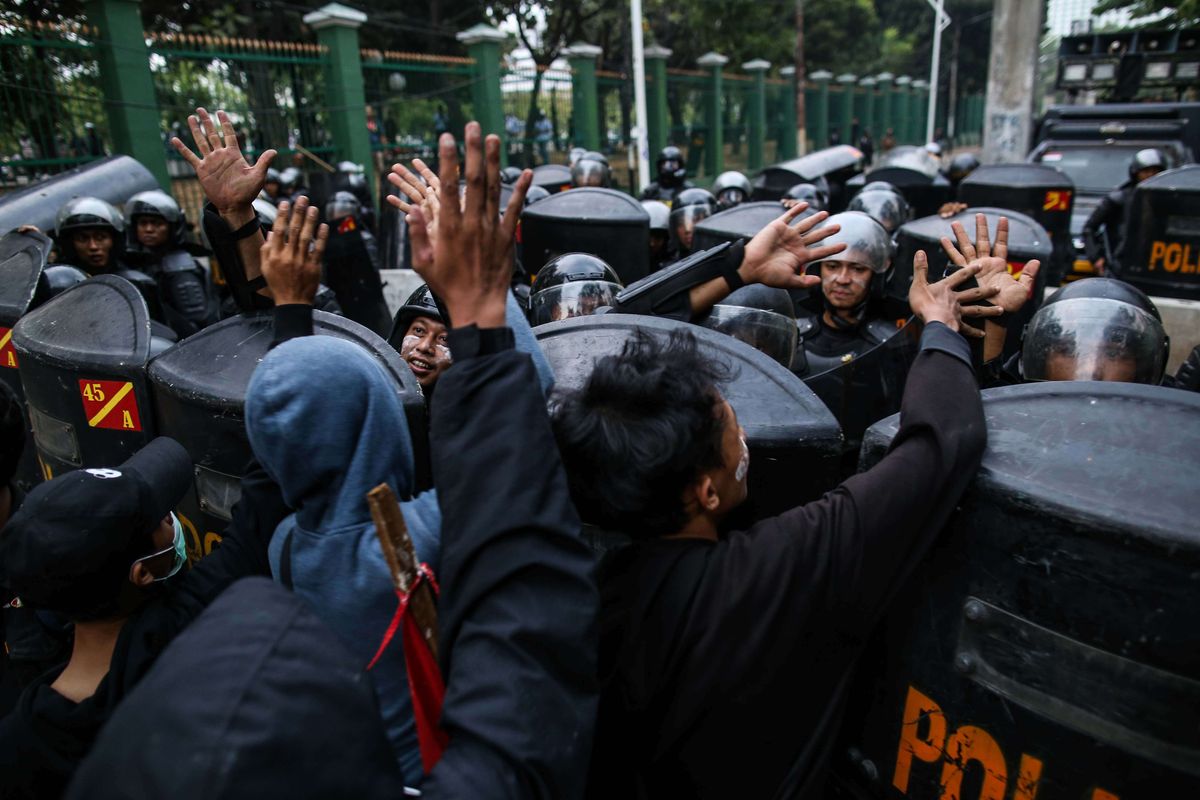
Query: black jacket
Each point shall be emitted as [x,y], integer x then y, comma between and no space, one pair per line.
[43,740]
[723,663]
[1104,231]
[517,639]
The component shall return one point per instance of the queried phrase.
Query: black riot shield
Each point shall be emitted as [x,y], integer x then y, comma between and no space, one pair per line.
[740,222]
[603,222]
[1040,191]
[83,365]
[394,249]
[863,389]
[1047,645]
[348,271]
[199,389]
[22,258]
[836,165]
[1161,254]
[554,178]
[794,441]
[1027,240]
[915,173]
[114,179]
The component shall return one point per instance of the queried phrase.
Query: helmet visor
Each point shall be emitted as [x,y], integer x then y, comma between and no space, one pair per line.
[576,299]
[1093,339]
[765,331]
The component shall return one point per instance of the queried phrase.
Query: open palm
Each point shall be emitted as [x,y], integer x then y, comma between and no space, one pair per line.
[227,179]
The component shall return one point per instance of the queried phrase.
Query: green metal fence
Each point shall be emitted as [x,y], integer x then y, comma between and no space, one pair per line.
[538,119]
[53,111]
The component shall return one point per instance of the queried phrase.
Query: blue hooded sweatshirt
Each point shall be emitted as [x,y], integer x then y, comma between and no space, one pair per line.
[326,424]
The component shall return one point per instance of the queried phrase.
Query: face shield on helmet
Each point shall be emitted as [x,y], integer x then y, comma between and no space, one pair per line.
[867,243]
[683,223]
[155,203]
[575,299]
[670,166]
[1093,339]
[765,331]
[342,204]
[888,208]
[589,172]
[809,193]
[731,188]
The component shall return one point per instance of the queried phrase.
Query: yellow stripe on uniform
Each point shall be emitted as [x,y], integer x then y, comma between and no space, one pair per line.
[110,405]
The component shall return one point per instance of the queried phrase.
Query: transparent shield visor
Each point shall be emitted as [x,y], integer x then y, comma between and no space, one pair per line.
[1093,339]
[765,331]
[683,224]
[578,299]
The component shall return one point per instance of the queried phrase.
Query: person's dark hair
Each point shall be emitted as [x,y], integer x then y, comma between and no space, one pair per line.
[12,433]
[642,428]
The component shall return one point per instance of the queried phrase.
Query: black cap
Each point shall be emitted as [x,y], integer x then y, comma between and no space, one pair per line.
[70,546]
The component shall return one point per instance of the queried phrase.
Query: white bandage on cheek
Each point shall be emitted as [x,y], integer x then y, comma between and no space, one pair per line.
[743,467]
[410,342]
[830,281]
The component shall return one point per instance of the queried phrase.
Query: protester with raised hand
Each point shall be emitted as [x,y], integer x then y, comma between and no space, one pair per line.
[517,603]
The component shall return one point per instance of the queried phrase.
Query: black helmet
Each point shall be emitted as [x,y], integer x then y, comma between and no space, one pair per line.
[596,155]
[536,193]
[575,154]
[660,215]
[670,166]
[88,212]
[342,204]
[266,211]
[812,194]
[572,285]
[690,206]
[419,304]
[760,316]
[1096,329]
[888,208]
[962,165]
[291,179]
[731,188]
[876,185]
[1150,158]
[154,203]
[57,278]
[589,171]
[510,174]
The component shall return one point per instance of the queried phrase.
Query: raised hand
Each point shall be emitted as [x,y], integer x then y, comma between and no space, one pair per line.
[778,254]
[228,181]
[1011,293]
[939,302]
[291,255]
[424,194]
[467,260]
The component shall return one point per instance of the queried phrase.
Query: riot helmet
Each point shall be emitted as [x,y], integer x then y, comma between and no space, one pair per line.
[290,180]
[670,167]
[88,212]
[690,206]
[1149,159]
[352,175]
[266,213]
[272,177]
[760,316]
[155,203]
[867,243]
[574,155]
[572,285]
[934,149]
[419,304]
[1095,334]
[961,166]
[888,208]
[596,155]
[57,278]
[589,171]
[812,194]
[660,236]
[852,277]
[535,193]
[874,186]
[510,174]
[731,188]
[342,204]
[90,218]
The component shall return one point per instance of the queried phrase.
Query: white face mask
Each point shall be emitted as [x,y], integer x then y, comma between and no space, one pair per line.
[743,466]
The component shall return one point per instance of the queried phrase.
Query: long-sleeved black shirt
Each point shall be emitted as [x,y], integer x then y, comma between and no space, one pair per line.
[722,662]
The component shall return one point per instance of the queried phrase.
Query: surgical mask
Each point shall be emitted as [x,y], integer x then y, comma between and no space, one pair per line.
[743,467]
[178,545]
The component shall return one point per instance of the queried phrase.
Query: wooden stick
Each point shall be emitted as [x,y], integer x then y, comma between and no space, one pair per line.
[322,163]
[402,561]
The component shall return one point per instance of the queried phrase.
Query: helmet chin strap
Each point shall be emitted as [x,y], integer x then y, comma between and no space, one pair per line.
[858,312]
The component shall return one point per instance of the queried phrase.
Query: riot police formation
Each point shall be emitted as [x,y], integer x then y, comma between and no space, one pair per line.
[634,537]
[1104,231]
[671,176]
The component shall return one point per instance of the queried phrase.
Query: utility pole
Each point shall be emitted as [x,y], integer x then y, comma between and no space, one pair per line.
[801,117]
[1012,78]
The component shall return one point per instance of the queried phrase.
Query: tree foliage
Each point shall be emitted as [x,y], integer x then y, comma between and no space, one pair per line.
[1173,14]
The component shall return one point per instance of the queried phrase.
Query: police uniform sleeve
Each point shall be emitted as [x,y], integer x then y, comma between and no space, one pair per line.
[517,604]
[842,557]
[184,292]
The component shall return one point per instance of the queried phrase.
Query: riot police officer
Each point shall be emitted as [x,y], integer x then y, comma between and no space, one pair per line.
[344,212]
[849,280]
[885,206]
[272,189]
[660,236]
[155,230]
[816,197]
[89,234]
[961,166]
[731,188]
[572,285]
[1104,231]
[690,206]
[760,316]
[672,176]
[419,334]
[591,171]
